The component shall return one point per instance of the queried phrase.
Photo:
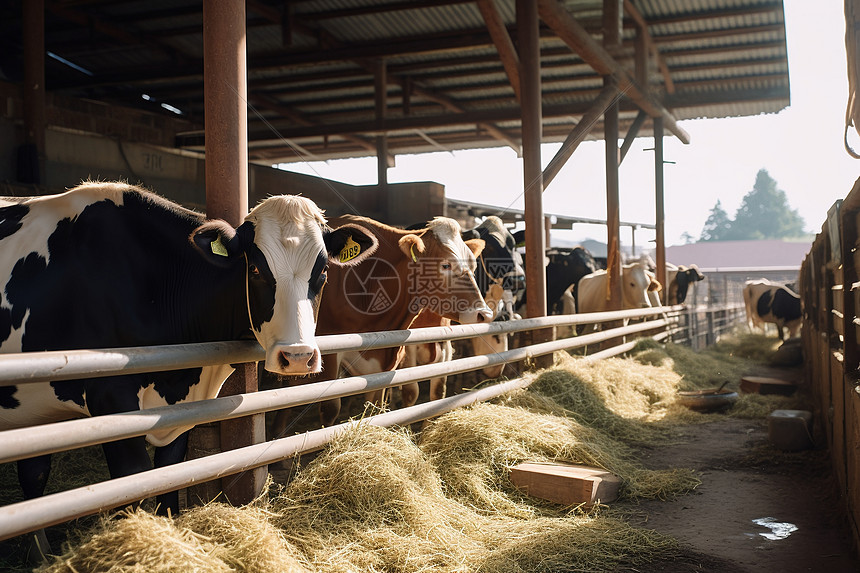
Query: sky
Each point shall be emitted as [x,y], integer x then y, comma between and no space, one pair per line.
[801,148]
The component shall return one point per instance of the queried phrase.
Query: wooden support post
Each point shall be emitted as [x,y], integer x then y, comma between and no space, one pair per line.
[380,78]
[631,134]
[611,39]
[226,167]
[660,216]
[31,154]
[532,129]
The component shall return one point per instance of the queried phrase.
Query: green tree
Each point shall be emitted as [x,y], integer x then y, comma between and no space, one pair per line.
[718,226]
[765,213]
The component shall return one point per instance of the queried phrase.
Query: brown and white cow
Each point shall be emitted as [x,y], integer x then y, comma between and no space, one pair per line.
[412,270]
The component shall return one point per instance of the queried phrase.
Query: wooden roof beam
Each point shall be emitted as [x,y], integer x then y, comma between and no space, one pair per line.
[578,134]
[642,26]
[502,40]
[300,119]
[451,105]
[580,41]
[418,90]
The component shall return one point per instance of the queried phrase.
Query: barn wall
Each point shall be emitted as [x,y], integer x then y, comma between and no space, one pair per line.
[830,294]
[139,149]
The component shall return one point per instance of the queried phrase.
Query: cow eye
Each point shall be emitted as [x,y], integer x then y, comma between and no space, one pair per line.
[252,268]
[446,266]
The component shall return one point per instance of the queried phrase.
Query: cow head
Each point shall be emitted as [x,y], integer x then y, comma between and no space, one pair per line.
[442,271]
[636,284]
[680,285]
[499,262]
[285,249]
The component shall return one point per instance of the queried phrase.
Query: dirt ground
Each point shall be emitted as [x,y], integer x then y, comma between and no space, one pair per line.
[735,522]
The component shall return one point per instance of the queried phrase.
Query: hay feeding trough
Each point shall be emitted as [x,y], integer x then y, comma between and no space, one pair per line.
[710,400]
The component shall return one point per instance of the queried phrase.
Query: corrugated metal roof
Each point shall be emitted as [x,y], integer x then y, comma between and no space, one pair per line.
[310,67]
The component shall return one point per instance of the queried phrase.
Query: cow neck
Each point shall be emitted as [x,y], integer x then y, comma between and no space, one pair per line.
[484,278]
[221,309]
[555,288]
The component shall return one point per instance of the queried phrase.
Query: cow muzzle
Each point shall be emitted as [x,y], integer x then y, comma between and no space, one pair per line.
[294,359]
[478,315]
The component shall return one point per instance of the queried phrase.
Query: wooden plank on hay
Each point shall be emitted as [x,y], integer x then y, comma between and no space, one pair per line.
[767,385]
[566,484]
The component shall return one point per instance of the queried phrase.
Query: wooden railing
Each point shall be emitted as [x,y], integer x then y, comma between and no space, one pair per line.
[830,297]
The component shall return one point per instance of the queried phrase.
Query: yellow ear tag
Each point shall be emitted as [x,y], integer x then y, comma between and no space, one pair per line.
[412,252]
[218,247]
[349,251]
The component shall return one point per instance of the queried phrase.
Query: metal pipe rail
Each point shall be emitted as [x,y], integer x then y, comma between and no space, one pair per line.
[52,366]
[30,515]
[27,442]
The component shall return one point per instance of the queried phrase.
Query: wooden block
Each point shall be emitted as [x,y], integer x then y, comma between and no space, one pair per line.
[566,484]
[765,385]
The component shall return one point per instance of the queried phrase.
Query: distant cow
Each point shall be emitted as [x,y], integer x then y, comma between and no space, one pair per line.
[564,268]
[111,265]
[679,280]
[768,302]
[636,283]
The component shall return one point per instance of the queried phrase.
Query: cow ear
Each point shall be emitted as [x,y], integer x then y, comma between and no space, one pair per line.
[411,246]
[349,244]
[217,242]
[655,286]
[520,238]
[470,234]
[476,246]
[697,274]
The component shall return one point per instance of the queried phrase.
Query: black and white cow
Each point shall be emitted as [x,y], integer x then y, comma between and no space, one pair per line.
[564,268]
[502,281]
[111,265]
[679,278]
[774,303]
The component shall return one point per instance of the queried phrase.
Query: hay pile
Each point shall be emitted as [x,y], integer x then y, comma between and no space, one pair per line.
[377,501]
[473,449]
[139,542]
[727,360]
[707,368]
[372,502]
[618,396]
[209,539]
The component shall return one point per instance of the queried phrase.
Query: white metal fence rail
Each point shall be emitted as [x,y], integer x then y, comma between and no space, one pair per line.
[56,508]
